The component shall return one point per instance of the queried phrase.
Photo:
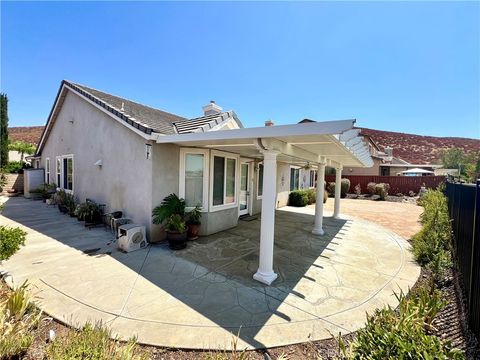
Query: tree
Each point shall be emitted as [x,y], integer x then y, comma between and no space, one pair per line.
[468,165]
[453,158]
[3,130]
[22,147]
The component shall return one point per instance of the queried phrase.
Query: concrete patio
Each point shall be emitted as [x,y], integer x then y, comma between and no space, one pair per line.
[202,296]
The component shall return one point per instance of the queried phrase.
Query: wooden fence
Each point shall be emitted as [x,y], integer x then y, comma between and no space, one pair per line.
[398,184]
[464,210]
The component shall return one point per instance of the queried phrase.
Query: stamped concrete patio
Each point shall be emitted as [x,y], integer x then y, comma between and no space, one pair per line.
[200,297]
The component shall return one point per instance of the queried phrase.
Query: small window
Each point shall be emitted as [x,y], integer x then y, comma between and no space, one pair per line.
[260,180]
[224,180]
[58,171]
[294,179]
[47,171]
[313,178]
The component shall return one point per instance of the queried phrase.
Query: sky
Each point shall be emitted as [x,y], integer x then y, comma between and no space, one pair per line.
[401,66]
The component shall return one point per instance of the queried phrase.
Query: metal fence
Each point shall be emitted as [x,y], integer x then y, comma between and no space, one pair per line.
[464,209]
[398,184]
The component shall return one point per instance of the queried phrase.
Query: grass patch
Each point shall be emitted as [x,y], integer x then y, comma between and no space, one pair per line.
[18,320]
[93,342]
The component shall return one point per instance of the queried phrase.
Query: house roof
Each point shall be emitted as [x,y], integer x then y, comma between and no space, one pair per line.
[141,118]
[157,120]
[204,123]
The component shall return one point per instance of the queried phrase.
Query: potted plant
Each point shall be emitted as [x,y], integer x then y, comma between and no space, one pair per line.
[70,204]
[171,205]
[194,223]
[60,199]
[89,212]
[176,229]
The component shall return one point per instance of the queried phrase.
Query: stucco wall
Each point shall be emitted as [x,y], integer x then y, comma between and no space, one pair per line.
[166,161]
[216,221]
[374,170]
[124,181]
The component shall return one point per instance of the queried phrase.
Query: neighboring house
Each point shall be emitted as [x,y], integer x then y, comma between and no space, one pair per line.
[29,134]
[130,156]
[385,163]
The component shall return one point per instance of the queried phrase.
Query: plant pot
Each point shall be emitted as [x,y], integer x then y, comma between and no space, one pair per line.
[193,230]
[176,240]
[62,208]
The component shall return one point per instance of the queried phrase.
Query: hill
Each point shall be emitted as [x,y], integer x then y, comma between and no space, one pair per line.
[418,149]
[30,134]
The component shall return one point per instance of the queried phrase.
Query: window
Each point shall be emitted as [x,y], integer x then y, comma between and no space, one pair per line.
[294,179]
[47,170]
[260,181]
[68,173]
[193,185]
[58,171]
[313,178]
[224,179]
[194,179]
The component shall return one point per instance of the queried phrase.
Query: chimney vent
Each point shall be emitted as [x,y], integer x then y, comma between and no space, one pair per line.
[269,123]
[388,150]
[211,109]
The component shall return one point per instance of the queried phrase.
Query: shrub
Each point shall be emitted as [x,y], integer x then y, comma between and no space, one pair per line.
[371,188]
[432,245]
[298,198]
[18,319]
[403,334]
[344,187]
[312,196]
[15,167]
[358,190]
[382,190]
[12,239]
[3,179]
[411,193]
[89,212]
[92,342]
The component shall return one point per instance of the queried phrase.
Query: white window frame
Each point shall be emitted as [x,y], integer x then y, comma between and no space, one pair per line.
[311,183]
[259,197]
[47,170]
[62,185]
[225,155]
[181,184]
[290,176]
[58,172]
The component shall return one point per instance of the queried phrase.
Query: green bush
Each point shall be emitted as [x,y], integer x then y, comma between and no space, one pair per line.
[312,196]
[403,333]
[381,190]
[15,167]
[344,188]
[92,342]
[371,188]
[12,239]
[432,245]
[298,198]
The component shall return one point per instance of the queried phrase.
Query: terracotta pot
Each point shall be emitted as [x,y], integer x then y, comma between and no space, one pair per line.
[193,230]
[177,240]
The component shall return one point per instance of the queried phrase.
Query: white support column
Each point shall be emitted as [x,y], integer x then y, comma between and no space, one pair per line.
[318,227]
[338,185]
[265,272]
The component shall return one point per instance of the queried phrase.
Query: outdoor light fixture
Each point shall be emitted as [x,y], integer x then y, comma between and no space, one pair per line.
[98,163]
[148,151]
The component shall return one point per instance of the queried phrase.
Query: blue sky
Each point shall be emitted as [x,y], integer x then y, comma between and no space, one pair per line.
[404,66]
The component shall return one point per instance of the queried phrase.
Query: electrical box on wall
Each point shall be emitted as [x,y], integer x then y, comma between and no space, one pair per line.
[148,151]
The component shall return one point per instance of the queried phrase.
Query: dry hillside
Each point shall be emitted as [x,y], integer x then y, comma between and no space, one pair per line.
[418,149]
[30,134]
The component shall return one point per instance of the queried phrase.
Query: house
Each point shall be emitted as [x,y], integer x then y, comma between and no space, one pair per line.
[385,163]
[130,156]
